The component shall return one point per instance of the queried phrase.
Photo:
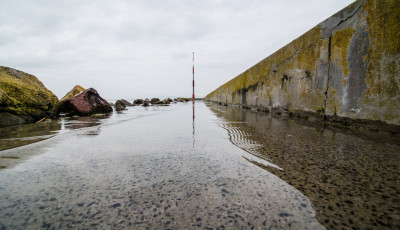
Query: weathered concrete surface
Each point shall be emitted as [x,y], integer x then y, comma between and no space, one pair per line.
[344,69]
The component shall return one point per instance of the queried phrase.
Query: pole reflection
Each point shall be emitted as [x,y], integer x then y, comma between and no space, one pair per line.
[193,124]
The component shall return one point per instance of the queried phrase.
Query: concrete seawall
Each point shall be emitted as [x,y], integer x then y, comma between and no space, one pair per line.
[345,69]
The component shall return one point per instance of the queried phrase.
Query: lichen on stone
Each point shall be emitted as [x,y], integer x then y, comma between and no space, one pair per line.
[23,95]
[74,91]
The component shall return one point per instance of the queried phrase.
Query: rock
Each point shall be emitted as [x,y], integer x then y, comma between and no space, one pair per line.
[24,99]
[75,91]
[146,102]
[116,205]
[119,105]
[163,102]
[86,103]
[154,100]
[181,99]
[125,102]
[138,102]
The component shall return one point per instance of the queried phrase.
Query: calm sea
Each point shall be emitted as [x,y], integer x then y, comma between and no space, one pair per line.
[201,166]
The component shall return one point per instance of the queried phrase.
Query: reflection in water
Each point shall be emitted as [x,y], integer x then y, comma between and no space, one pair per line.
[85,122]
[193,124]
[14,136]
[244,141]
[351,178]
[82,122]
[21,135]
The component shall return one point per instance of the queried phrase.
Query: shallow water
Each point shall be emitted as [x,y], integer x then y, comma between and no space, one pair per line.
[146,168]
[204,167]
[351,177]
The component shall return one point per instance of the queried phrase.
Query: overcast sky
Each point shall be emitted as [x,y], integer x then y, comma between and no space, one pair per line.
[135,49]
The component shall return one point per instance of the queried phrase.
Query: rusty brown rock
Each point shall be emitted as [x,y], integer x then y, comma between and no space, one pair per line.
[87,103]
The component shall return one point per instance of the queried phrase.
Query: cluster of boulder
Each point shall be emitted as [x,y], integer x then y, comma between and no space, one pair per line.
[24,99]
[122,104]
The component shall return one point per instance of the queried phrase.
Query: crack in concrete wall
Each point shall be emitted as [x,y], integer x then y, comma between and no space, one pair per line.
[329,75]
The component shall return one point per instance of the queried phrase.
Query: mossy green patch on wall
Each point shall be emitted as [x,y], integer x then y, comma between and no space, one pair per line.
[382,94]
[340,45]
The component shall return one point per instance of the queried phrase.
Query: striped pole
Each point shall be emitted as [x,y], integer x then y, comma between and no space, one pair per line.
[193,77]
